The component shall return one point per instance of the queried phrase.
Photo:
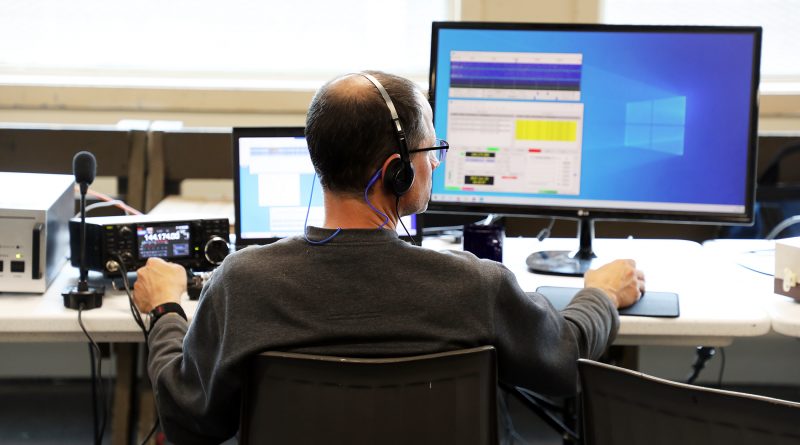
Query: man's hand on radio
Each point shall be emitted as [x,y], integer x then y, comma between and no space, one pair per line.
[158,282]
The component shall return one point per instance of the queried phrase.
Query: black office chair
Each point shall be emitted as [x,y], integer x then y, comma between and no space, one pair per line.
[626,407]
[445,398]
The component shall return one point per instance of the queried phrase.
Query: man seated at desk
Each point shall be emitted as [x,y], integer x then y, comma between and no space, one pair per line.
[353,288]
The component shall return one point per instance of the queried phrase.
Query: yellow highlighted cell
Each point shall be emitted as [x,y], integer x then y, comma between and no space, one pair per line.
[544,130]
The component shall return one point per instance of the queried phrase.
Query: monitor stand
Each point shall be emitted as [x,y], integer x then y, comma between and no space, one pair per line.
[565,262]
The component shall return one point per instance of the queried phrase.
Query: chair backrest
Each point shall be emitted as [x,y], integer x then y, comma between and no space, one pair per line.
[626,407]
[438,398]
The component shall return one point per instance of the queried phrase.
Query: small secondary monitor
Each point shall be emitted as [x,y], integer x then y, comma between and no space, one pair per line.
[596,121]
[273,183]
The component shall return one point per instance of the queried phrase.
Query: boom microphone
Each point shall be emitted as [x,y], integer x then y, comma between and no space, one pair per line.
[83,296]
[84,167]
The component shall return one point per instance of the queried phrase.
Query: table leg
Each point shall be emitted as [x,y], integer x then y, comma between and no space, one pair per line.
[125,357]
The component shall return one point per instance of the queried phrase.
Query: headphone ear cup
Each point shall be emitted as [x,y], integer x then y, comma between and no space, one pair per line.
[398,177]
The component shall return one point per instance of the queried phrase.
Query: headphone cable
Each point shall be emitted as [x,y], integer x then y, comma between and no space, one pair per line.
[397,212]
[369,203]
[305,224]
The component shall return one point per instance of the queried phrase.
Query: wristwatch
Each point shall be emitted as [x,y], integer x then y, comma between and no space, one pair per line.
[164,309]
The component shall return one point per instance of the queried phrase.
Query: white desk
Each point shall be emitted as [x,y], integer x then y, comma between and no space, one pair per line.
[43,318]
[708,316]
[711,313]
[729,256]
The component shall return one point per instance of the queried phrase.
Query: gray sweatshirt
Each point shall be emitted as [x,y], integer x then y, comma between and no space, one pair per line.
[365,293]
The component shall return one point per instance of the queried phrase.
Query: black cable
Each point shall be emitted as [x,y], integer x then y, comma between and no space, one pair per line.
[721,367]
[534,402]
[94,349]
[510,429]
[152,431]
[547,403]
[397,212]
[704,354]
[95,426]
[137,317]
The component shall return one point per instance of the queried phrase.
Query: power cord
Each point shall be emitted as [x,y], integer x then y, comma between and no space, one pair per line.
[510,429]
[704,354]
[118,203]
[783,225]
[152,431]
[721,367]
[137,317]
[544,408]
[545,233]
[96,359]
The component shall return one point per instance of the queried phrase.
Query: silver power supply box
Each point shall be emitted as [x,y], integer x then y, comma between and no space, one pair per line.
[34,234]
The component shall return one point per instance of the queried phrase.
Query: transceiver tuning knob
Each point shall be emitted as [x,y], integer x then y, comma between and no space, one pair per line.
[216,249]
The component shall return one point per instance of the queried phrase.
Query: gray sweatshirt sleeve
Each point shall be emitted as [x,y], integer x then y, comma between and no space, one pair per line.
[198,402]
[538,347]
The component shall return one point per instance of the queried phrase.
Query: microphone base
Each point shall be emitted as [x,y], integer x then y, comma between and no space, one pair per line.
[91,298]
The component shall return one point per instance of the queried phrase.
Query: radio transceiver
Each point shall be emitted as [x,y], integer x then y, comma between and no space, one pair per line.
[197,244]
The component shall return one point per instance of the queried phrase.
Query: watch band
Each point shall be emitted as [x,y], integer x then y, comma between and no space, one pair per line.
[164,309]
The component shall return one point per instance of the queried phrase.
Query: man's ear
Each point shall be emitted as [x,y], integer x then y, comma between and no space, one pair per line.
[386,164]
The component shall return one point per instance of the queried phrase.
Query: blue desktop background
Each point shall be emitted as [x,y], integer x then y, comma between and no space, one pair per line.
[666,115]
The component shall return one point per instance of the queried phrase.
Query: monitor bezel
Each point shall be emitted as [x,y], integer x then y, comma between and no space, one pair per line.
[240,132]
[236,134]
[534,210]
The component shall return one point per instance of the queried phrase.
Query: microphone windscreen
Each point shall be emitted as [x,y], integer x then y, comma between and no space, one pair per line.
[84,167]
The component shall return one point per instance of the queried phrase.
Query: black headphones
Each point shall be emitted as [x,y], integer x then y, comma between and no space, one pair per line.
[399,173]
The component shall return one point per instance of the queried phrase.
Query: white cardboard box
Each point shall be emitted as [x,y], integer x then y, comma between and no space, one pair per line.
[787,267]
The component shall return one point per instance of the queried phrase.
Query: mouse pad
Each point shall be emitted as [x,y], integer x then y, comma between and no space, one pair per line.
[652,304]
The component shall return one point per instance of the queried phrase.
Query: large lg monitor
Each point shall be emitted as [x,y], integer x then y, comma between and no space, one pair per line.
[276,192]
[595,121]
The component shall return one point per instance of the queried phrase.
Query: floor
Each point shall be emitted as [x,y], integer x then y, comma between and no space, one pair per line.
[46,412]
[49,411]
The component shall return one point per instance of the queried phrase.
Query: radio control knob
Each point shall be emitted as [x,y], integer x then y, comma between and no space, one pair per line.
[127,258]
[216,249]
[125,232]
[112,266]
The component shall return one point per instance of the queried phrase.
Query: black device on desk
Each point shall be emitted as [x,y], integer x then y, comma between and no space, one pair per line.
[652,304]
[197,244]
[592,122]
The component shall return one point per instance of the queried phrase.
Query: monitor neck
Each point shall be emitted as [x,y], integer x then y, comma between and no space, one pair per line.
[585,236]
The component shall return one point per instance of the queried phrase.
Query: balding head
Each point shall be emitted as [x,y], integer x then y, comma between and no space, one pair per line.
[350,132]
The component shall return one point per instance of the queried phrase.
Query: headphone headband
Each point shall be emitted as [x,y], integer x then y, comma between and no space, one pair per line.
[401,135]
[400,176]
[386,98]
